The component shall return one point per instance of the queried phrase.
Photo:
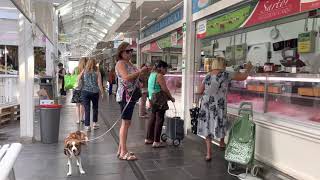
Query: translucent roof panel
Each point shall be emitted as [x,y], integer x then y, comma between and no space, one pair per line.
[88,21]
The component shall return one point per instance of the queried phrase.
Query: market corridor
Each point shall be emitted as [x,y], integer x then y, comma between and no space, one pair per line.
[47,162]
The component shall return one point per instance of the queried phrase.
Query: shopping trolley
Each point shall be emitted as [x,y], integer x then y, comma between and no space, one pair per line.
[174,129]
[241,145]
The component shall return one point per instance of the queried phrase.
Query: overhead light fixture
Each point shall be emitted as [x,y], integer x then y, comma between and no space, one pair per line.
[164,14]
[151,22]
[155,10]
[176,6]
[144,18]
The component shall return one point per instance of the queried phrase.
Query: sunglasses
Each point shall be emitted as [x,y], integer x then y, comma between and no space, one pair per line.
[129,51]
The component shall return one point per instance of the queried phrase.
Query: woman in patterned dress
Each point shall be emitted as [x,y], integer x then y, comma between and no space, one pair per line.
[212,119]
[128,76]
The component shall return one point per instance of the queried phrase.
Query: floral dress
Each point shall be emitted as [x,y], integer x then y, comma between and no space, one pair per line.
[130,85]
[212,119]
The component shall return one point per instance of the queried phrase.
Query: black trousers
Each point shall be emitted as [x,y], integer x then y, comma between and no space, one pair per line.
[155,125]
[88,97]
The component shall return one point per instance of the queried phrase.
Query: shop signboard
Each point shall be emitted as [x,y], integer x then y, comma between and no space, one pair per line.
[64,39]
[309,4]
[198,5]
[306,42]
[202,29]
[268,10]
[174,39]
[228,22]
[255,13]
[172,18]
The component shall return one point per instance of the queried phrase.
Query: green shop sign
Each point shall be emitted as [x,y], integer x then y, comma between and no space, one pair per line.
[168,41]
[228,22]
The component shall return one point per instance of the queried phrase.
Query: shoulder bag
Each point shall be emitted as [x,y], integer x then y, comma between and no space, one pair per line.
[159,100]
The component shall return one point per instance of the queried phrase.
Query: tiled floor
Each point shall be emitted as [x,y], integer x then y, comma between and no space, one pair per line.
[47,162]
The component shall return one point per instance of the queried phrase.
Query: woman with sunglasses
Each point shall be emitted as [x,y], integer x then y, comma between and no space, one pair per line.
[128,82]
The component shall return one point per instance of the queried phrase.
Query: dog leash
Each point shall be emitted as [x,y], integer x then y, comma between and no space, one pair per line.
[116,122]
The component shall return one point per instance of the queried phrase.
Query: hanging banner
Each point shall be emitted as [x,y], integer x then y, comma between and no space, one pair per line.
[309,4]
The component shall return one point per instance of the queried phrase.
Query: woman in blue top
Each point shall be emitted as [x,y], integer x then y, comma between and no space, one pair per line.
[91,87]
[157,83]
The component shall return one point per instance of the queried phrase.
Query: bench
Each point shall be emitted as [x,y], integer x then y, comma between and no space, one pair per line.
[8,156]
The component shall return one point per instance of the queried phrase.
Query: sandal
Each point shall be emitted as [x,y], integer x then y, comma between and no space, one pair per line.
[118,154]
[129,156]
[208,159]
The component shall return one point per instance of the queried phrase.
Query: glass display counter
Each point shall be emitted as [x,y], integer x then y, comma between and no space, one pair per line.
[174,84]
[294,97]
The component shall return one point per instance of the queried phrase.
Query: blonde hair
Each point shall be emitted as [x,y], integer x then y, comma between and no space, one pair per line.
[82,64]
[218,63]
[91,65]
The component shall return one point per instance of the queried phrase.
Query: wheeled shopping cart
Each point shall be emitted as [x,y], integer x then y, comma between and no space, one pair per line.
[241,145]
[173,130]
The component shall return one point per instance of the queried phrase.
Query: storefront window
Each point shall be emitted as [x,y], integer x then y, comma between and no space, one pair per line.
[9,58]
[39,60]
[285,82]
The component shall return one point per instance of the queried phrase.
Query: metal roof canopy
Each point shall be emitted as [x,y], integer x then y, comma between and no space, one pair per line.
[88,21]
[151,11]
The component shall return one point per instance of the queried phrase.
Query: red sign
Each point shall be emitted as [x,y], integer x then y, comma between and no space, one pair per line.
[268,10]
[309,4]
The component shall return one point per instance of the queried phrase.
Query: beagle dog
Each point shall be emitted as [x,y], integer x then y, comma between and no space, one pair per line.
[72,149]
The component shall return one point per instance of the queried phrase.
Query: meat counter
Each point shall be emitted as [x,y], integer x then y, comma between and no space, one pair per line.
[292,97]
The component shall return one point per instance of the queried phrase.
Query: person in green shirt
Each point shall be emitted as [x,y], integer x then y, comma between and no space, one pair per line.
[157,83]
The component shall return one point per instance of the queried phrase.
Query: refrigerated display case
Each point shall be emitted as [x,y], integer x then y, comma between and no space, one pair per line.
[290,97]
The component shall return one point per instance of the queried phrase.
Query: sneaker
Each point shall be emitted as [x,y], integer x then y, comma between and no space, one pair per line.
[87,128]
[159,144]
[78,122]
[96,126]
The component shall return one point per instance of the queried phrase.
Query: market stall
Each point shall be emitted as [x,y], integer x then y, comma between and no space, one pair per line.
[281,39]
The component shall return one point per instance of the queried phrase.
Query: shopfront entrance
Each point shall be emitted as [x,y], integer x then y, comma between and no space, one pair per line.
[281,39]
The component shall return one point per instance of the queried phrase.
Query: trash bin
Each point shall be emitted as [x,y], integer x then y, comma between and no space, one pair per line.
[49,123]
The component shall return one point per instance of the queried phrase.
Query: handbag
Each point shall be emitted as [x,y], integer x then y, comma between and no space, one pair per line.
[76,96]
[79,83]
[194,114]
[159,100]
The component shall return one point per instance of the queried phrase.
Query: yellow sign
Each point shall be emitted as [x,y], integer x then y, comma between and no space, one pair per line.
[306,42]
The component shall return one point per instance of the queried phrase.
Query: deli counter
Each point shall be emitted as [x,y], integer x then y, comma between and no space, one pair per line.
[286,96]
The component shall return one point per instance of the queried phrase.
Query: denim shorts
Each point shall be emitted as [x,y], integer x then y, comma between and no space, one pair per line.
[128,112]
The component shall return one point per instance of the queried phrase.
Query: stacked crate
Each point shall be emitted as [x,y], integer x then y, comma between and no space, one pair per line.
[9,112]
